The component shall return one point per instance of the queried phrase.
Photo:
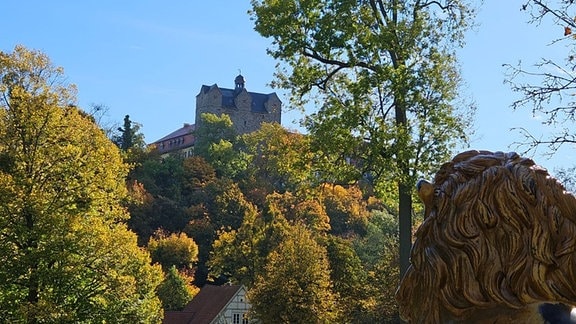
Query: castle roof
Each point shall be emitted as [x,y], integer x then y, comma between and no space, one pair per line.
[228,95]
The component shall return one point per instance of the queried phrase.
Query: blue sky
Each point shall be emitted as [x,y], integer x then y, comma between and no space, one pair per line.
[148,59]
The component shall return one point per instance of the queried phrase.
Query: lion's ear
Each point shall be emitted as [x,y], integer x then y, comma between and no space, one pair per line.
[425,192]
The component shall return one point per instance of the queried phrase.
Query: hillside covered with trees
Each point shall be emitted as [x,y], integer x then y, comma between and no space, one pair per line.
[259,212]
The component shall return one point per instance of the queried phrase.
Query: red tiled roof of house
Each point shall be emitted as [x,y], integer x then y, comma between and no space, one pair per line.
[204,307]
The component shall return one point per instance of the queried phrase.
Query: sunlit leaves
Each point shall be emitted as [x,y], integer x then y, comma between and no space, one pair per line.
[173,250]
[66,254]
[295,286]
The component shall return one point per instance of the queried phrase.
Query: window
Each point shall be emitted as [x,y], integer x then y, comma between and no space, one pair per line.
[235,318]
[244,319]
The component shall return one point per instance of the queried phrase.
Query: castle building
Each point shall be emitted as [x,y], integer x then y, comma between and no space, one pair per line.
[247,110]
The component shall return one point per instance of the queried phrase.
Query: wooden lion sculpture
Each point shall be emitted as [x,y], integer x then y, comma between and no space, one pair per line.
[498,240]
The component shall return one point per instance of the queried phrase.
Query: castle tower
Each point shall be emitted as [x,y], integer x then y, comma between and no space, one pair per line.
[239,82]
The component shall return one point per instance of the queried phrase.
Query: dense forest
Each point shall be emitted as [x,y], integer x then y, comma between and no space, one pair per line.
[252,209]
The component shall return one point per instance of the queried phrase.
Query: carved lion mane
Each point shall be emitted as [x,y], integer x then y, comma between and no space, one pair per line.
[498,239]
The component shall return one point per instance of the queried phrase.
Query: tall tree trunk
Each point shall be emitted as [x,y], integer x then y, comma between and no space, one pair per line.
[32,297]
[405,225]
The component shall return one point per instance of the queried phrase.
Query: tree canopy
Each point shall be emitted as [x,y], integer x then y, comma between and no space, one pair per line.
[295,286]
[385,78]
[66,254]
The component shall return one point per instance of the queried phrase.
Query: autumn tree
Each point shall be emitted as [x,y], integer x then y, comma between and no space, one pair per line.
[240,254]
[295,286]
[350,280]
[385,79]
[547,88]
[221,206]
[280,161]
[346,208]
[65,252]
[176,290]
[173,250]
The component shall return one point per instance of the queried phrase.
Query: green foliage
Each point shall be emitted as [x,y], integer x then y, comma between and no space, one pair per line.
[127,138]
[131,142]
[65,254]
[378,252]
[161,176]
[156,213]
[240,254]
[213,129]
[223,207]
[176,290]
[216,139]
[173,250]
[295,286]
[350,280]
[280,158]
[197,174]
[384,76]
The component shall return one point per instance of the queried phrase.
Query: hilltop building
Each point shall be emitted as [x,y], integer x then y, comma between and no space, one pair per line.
[180,140]
[247,110]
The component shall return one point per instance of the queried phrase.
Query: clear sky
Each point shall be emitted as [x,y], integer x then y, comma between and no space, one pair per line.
[148,59]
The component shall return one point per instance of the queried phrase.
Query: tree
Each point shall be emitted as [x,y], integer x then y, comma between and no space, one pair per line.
[216,141]
[295,286]
[280,159]
[239,255]
[222,207]
[173,250]
[161,176]
[65,252]
[549,88]
[350,280]
[131,142]
[377,252]
[346,208]
[176,290]
[126,140]
[197,174]
[386,77]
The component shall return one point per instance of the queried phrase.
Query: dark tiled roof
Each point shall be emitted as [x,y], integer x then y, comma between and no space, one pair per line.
[186,129]
[205,306]
[228,95]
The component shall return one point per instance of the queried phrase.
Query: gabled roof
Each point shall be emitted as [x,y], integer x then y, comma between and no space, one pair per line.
[186,129]
[228,95]
[205,306]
